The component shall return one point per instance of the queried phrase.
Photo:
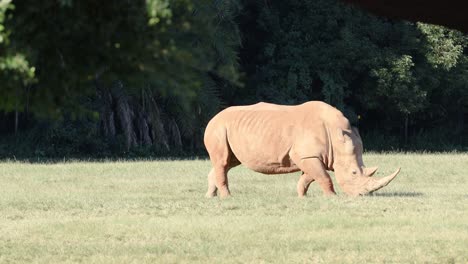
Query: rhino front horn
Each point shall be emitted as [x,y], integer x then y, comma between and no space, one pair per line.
[375,184]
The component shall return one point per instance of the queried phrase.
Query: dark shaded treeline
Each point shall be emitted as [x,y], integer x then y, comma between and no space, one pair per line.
[448,13]
[143,78]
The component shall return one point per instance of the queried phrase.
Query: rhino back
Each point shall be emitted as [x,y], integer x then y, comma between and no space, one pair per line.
[264,136]
[261,136]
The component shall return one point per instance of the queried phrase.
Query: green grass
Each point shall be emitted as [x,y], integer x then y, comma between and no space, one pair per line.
[156,212]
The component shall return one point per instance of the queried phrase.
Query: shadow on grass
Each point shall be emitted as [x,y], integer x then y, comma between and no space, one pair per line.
[47,160]
[397,194]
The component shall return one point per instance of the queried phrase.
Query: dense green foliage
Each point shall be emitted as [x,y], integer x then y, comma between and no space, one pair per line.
[144,77]
[387,72]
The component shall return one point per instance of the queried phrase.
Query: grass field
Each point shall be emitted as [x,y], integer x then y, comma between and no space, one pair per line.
[156,212]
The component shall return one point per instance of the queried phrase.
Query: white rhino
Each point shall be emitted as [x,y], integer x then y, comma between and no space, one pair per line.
[312,137]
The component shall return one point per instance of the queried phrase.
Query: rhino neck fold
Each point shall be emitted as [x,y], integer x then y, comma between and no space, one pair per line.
[329,157]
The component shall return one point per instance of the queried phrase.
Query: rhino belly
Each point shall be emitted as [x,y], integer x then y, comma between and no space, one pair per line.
[263,151]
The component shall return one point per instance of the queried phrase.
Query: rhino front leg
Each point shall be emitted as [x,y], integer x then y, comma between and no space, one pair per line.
[303,184]
[314,169]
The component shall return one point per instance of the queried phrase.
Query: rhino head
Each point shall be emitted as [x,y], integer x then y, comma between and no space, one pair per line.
[351,174]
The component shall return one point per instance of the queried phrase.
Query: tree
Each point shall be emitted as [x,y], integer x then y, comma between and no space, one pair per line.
[387,71]
[140,56]
[16,74]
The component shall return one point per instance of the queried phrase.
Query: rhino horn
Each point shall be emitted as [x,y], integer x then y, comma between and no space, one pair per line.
[370,171]
[375,184]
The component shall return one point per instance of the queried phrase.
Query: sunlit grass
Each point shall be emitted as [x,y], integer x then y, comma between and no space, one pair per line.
[155,212]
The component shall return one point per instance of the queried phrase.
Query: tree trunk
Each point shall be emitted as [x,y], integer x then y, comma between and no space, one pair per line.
[26,107]
[16,120]
[406,129]
[106,113]
[174,134]
[125,114]
[461,121]
[143,129]
[16,111]
[156,123]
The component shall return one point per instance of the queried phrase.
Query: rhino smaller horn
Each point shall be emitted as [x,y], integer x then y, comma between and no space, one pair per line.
[374,184]
[370,171]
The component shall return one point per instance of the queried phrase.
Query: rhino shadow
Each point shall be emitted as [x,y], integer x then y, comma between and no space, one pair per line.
[397,194]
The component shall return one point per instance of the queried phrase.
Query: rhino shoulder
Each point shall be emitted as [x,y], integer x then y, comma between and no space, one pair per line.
[261,106]
[328,113]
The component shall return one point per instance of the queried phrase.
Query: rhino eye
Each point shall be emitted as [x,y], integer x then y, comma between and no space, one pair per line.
[354,172]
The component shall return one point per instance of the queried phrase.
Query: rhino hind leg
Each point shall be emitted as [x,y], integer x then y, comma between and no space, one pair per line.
[212,189]
[217,179]
[221,181]
[222,159]
[314,169]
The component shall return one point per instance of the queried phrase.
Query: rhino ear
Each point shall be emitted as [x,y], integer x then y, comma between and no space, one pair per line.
[355,131]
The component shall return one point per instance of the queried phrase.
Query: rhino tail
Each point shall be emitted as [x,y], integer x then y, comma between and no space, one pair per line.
[218,147]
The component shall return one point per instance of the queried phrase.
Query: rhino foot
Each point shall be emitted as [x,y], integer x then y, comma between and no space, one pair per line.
[210,194]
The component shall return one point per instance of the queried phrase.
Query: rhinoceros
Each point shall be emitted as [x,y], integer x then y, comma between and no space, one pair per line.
[312,137]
